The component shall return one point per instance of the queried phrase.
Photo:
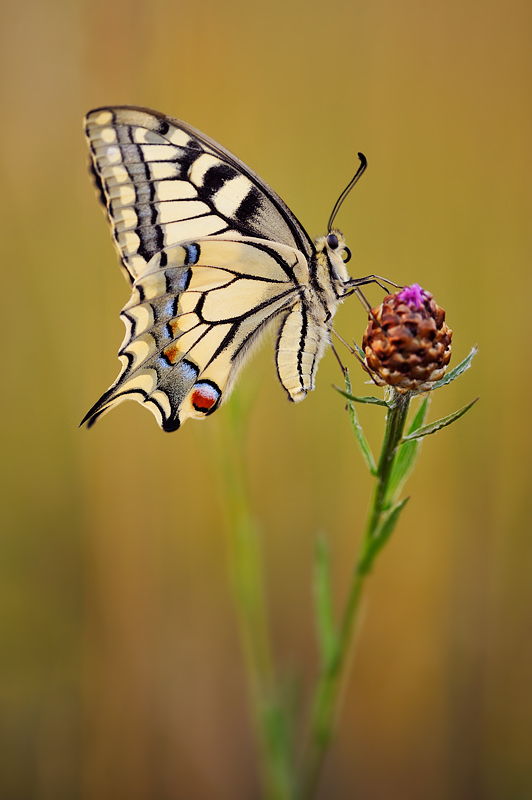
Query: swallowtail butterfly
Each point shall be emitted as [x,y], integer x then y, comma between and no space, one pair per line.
[213,256]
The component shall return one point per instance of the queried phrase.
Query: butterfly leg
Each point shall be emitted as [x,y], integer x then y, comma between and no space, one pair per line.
[354,282]
[342,367]
[341,339]
[353,353]
[365,302]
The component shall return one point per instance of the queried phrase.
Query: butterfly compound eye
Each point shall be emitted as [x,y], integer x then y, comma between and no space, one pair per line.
[332,241]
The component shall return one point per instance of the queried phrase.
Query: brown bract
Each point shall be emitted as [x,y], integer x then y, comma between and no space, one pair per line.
[408,344]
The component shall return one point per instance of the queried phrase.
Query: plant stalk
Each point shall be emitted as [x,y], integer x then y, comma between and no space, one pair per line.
[333,672]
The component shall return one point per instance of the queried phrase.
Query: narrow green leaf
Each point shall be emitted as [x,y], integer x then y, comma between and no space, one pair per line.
[384,531]
[457,371]
[325,625]
[361,353]
[362,442]
[434,427]
[369,400]
[407,454]
[389,521]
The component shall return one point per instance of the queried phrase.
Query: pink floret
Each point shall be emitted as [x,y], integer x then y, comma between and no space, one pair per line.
[413,295]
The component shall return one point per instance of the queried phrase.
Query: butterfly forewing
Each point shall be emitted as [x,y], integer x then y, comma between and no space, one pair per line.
[165,183]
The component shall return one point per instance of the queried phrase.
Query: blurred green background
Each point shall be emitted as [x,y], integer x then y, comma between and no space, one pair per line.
[121,673]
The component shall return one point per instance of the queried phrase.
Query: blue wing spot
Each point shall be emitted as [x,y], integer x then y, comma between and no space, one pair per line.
[177,280]
[192,254]
[188,370]
[169,309]
[162,365]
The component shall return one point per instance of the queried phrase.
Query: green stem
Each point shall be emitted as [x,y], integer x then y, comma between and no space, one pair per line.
[333,672]
[246,571]
[395,425]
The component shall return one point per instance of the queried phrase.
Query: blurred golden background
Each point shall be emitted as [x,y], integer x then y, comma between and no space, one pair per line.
[121,671]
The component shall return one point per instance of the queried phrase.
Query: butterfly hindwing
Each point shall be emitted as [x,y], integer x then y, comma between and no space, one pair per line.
[195,311]
[164,182]
[300,344]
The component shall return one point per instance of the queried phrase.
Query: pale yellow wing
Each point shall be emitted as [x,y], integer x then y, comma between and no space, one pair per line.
[163,182]
[195,311]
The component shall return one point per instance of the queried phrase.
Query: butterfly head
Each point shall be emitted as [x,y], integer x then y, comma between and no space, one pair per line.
[332,254]
[333,244]
[336,243]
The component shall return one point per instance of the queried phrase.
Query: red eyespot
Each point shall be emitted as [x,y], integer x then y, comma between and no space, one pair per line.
[205,396]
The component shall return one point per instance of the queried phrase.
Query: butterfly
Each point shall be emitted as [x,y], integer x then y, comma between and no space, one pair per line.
[213,256]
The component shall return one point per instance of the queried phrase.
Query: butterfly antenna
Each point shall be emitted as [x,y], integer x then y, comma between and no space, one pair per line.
[358,174]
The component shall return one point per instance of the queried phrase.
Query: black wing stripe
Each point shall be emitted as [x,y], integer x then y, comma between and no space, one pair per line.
[142,135]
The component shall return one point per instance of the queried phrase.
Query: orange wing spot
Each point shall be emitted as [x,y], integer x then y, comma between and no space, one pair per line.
[171,353]
[204,397]
[174,326]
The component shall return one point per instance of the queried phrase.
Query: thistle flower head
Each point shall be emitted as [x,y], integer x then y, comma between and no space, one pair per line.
[407,343]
